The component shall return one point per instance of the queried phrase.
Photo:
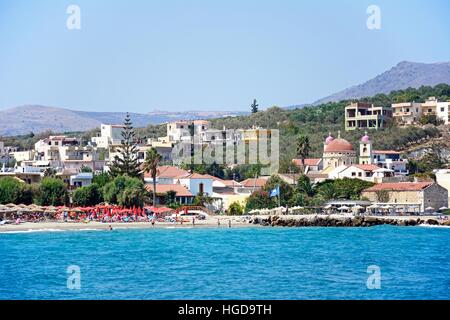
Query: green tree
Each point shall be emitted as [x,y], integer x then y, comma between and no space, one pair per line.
[151,163]
[286,191]
[85,169]
[303,149]
[235,209]
[254,106]
[102,179]
[50,172]
[125,191]
[14,191]
[259,200]
[170,199]
[304,186]
[349,189]
[88,196]
[52,191]
[126,163]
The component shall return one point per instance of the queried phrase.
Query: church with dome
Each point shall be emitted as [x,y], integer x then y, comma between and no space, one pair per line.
[340,159]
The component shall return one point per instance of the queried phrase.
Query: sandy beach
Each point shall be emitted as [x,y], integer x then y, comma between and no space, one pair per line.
[94,225]
[236,221]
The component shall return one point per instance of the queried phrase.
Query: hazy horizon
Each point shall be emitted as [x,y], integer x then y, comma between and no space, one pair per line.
[143,56]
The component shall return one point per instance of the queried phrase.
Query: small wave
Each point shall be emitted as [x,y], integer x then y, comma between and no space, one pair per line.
[34,230]
[432,226]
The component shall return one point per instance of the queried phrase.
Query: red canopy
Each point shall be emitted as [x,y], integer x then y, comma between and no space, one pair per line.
[159,210]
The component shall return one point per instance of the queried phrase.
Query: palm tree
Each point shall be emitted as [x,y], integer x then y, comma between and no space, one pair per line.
[152,159]
[328,192]
[303,149]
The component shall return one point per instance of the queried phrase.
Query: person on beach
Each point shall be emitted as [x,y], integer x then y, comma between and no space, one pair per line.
[229,223]
[153,222]
[218,222]
[193,221]
[110,228]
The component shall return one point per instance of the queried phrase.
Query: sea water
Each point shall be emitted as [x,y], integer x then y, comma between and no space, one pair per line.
[222,263]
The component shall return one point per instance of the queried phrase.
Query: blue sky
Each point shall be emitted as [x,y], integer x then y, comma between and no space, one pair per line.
[206,55]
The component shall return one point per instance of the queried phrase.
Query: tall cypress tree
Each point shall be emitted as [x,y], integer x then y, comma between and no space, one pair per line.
[127,163]
[254,106]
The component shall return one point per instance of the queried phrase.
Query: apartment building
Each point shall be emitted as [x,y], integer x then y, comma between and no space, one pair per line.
[408,113]
[438,108]
[110,136]
[360,115]
[181,130]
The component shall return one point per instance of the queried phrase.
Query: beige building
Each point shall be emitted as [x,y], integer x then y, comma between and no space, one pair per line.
[407,113]
[408,196]
[443,178]
[360,115]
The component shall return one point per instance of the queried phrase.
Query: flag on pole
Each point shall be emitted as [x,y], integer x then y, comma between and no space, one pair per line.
[275,192]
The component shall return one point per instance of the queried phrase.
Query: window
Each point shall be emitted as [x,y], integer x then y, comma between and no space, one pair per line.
[359,174]
[201,187]
[442,109]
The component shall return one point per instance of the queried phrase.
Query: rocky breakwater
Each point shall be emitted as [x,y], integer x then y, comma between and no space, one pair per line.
[340,221]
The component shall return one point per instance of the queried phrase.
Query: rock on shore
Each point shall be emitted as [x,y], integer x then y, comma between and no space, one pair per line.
[339,221]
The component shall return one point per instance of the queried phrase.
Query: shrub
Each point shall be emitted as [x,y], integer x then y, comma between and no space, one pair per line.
[52,191]
[87,196]
[235,209]
[125,191]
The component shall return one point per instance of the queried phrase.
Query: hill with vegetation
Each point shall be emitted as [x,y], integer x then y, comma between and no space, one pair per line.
[404,75]
[317,122]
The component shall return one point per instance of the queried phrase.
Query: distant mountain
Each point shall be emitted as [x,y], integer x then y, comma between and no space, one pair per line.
[403,75]
[36,118]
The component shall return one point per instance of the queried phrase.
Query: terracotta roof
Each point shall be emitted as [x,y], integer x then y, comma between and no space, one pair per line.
[227,183]
[385,152]
[339,145]
[250,183]
[170,172]
[308,162]
[366,167]
[400,186]
[161,189]
[195,176]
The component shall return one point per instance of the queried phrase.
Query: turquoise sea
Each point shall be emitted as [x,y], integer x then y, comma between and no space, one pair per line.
[237,263]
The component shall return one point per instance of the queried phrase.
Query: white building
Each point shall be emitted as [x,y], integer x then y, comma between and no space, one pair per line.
[181,130]
[64,153]
[408,113]
[110,135]
[81,179]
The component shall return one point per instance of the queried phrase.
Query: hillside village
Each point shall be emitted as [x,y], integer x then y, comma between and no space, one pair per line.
[337,174]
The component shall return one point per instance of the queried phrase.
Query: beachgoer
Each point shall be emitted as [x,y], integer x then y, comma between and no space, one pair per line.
[218,222]
[229,223]
[193,220]
[110,228]
[153,222]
